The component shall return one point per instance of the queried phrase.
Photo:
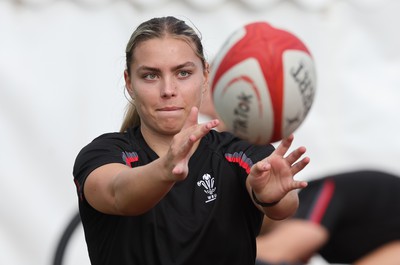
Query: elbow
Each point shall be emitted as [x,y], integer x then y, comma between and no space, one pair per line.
[125,208]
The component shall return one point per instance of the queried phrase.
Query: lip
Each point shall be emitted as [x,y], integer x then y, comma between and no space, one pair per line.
[170,108]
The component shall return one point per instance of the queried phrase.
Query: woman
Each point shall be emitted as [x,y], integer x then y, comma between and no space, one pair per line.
[167,190]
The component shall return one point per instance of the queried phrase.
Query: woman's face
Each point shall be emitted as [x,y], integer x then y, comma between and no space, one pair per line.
[166,80]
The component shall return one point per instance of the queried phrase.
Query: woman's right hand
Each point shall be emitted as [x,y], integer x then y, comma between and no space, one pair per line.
[184,144]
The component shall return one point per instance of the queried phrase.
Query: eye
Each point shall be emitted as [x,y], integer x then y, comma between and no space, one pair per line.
[150,76]
[183,73]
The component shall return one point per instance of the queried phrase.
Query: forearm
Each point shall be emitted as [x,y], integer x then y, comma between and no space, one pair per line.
[139,189]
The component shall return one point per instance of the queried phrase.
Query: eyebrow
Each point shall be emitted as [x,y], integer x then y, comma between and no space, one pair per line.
[144,68]
[157,70]
[187,64]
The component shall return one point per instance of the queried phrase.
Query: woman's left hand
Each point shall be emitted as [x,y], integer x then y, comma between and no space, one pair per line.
[272,178]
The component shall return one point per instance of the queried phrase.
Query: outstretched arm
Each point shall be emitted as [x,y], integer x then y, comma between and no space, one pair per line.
[271,180]
[121,190]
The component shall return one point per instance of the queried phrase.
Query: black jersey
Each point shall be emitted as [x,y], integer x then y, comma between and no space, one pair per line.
[360,209]
[208,218]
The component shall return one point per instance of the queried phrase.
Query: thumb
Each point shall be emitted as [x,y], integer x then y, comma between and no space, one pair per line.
[192,118]
[258,176]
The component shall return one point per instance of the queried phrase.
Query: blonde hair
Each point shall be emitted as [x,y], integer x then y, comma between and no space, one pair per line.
[158,28]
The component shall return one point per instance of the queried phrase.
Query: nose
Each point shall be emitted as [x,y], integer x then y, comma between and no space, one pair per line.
[169,88]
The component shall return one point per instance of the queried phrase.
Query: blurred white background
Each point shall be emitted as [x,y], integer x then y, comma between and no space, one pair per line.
[61,85]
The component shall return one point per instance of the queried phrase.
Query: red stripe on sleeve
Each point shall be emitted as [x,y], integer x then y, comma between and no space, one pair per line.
[322,203]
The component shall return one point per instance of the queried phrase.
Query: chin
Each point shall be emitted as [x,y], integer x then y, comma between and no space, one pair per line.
[171,128]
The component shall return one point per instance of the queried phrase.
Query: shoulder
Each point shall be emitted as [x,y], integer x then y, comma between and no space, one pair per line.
[106,148]
[113,140]
[113,137]
[120,139]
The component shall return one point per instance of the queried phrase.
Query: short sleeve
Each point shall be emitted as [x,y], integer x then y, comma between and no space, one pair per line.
[106,149]
[245,154]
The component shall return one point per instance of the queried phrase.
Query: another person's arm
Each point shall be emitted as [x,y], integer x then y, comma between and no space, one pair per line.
[292,240]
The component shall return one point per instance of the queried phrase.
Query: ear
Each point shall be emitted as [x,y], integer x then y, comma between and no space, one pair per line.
[206,78]
[128,84]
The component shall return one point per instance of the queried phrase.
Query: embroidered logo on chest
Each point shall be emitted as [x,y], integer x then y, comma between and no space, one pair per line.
[208,184]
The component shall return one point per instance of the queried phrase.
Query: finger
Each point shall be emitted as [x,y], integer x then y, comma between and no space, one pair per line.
[295,155]
[212,124]
[203,129]
[260,167]
[192,118]
[299,184]
[179,169]
[284,146]
[297,167]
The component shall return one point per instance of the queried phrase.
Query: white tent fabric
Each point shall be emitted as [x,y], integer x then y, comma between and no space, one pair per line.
[61,85]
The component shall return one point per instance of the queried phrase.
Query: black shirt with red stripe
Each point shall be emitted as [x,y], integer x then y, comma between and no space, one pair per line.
[360,209]
[209,218]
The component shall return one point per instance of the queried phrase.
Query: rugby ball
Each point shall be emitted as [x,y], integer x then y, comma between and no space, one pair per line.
[263,82]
